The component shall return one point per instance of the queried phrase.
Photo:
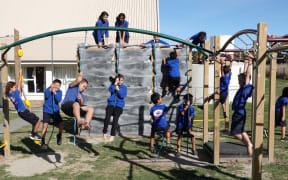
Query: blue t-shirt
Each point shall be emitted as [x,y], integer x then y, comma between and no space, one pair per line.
[241,97]
[117,97]
[48,103]
[152,42]
[124,25]
[173,64]
[158,114]
[16,100]
[72,95]
[99,34]
[183,121]
[280,102]
[224,83]
[196,40]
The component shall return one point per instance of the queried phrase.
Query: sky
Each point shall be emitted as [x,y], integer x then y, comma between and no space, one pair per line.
[183,18]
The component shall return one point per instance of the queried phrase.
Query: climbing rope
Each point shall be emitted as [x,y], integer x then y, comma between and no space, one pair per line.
[155,69]
[117,73]
[162,144]
[187,86]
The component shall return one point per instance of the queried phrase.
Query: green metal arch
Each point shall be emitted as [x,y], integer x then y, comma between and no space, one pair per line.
[91,28]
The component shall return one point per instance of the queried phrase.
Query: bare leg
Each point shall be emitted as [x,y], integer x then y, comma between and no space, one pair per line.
[89,113]
[193,140]
[76,112]
[245,139]
[44,129]
[224,108]
[178,91]
[168,135]
[179,140]
[283,129]
[36,126]
[61,127]
[152,141]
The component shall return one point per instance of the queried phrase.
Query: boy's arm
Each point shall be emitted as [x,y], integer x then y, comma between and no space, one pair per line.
[122,93]
[18,83]
[188,39]
[164,60]
[77,80]
[248,73]
[284,113]
[58,97]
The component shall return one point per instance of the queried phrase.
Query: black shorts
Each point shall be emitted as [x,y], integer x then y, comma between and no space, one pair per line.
[56,118]
[181,131]
[238,123]
[223,97]
[159,130]
[67,108]
[278,119]
[173,82]
[29,116]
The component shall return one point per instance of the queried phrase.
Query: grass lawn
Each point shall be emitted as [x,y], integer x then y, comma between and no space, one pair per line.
[130,158]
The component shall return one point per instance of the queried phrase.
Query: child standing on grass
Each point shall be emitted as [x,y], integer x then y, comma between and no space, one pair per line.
[280,114]
[159,123]
[14,91]
[185,122]
[51,110]
[238,106]
[174,74]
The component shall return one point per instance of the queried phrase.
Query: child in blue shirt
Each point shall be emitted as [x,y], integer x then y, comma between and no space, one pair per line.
[156,40]
[53,96]
[158,117]
[174,74]
[224,82]
[115,105]
[73,103]
[99,34]
[13,91]
[238,106]
[280,115]
[185,122]
[198,38]
[122,36]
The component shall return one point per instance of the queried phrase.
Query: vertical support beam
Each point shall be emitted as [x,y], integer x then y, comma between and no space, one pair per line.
[4,75]
[190,69]
[216,102]
[205,95]
[227,106]
[16,57]
[271,112]
[259,104]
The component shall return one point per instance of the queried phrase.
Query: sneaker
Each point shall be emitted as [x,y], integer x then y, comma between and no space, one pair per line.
[178,154]
[152,149]
[266,133]
[169,145]
[284,139]
[59,139]
[194,152]
[224,115]
[35,136]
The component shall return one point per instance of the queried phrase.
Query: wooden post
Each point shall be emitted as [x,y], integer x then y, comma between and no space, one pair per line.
[16,57]
[259,103]
[205,95]
[271,112]
[4,75]
[190,69]
[227,106]
[216,102]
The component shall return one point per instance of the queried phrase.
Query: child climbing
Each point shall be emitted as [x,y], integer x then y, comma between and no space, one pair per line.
[173,81]
[156,40]
[159,123]
[198,38]
[115,105]
[14,91]
[224,82]
[73,103]
[184,123]
[99,34]
[280,113]
[53,96]
[122,36]
[238,106]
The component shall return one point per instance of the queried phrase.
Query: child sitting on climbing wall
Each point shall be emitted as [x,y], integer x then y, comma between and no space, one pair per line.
[53,96]
[158,118]
[238,106]
[14,91]
[173,81]
[280,114]
[115,105]
[73,103]
[184,123]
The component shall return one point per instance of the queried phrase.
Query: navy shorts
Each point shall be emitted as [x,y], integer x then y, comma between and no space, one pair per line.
[173,82]
[67,108]
[56,118]
[278,119]
[223,97]
[159,130]
[29,116]
[182,131]
[238,123]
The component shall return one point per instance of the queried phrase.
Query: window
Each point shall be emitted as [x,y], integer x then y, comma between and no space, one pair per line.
[34,78]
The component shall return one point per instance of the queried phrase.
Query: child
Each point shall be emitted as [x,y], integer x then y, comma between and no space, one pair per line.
[51,110]
[174,74]
[73,103]
[99,34]
[280,114]
[198,38]
[115,105]
[13,91]
[224,83]
[238,105]
[156,40]
[184,124]
[159,123]
[122,36]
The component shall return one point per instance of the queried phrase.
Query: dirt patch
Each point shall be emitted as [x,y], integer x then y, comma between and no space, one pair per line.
[36,164]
